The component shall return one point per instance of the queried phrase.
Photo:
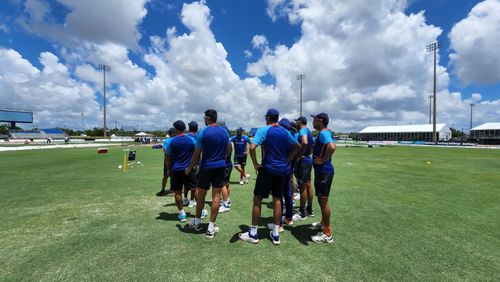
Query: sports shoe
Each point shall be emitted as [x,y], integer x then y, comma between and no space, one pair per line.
[310,213]
[196,227]
[223,208]
[296,197]
[241,182]
[287,221]
[317,225]
[299,216]
[204,214]
[249,238]
[161,193]
[192,204]
[182,217]
[211,235]
[322,238]
[229,203]
[275,239]
[185,202]
[270,226]
[247,178]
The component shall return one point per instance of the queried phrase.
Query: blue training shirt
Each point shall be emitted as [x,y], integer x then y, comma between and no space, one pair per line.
[165,144]
[212,140]
[277,144]
[325,137]
[310,141]
[240,145]
[180,150]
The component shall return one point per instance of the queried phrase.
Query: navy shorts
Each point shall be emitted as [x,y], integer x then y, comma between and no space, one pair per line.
[211,177]
[303,171]
[322,183]
[269,183]
[240,160]
[179,179]
[227,174]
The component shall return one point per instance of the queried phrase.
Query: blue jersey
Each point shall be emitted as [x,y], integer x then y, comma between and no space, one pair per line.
[307,154]
[165,144]
[213,141]
[240,145]
[324,137]
[180,150]
[277,144]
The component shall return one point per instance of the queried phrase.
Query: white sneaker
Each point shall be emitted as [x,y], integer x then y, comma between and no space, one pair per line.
[185,202]
[224,208]
[211,235]
[194,226]
[241,182]
[317,225]
[192,204]
[296,197]
[248,238]
[297,216]
[247,178]
[322,238]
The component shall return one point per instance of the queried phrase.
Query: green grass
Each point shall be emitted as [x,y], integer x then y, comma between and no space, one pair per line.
[72,215]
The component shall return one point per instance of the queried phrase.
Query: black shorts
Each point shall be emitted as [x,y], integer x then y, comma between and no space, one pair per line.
[165,168]
[240,160]
[322,183]
[227,174]
[303,171]
[268,183]
[179,179]
[211,177]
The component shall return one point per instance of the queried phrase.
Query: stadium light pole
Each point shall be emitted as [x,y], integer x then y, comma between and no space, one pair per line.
[301,77]
[433,48]
[83,129]
[430,108]
[471,106]
[104,69]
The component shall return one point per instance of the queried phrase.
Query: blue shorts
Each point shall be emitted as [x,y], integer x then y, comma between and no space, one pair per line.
[268,183]
[322,183]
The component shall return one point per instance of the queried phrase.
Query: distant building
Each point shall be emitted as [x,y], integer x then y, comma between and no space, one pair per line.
[486,133]
[417,132]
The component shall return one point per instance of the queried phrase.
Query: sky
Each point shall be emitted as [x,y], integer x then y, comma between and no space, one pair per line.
[365,61]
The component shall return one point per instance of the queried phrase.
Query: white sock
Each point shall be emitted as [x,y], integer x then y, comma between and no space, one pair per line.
[211,226]
[196,221]
[253,230]
[275,230]
[182,212]
[228,199]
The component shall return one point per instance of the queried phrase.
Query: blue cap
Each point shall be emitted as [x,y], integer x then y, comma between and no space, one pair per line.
[285,123]
[179,125]
[239,129]
[302,119]
[273,113]
[171,131]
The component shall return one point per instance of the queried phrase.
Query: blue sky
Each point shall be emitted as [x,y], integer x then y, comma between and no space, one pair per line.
[365,61]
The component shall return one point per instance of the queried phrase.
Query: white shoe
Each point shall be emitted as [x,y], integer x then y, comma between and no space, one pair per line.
[241,182]
[185,202]
[192,204]
[224,208]
[248,238]
[247,178]
[211,235]
[296,197]
[322,238]
[317,225]
[297,216]
[270,226]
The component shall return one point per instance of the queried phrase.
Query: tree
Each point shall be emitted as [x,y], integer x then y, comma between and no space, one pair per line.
[456,133]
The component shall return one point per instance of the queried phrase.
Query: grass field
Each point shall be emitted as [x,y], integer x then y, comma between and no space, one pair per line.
[72,215]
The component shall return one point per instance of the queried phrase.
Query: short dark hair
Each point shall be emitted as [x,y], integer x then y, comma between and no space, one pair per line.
[211,113]
[193,126]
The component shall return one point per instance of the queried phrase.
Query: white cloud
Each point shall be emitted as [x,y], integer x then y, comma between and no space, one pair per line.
[475,43]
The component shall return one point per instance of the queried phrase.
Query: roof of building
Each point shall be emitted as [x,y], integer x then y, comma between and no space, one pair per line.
[488,126]
[405,128]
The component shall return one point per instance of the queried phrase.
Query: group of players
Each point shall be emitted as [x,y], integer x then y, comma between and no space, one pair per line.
[201,160]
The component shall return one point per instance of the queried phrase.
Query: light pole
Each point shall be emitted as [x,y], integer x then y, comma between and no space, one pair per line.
[83,129]
[104,69]
[433,48]
[430,108]
[471,106]
[301,77]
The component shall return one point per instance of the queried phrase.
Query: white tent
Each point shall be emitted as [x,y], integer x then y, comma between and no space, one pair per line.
[143,134]
[406,132]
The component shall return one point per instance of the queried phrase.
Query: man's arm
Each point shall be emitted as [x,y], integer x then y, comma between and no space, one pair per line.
[253,155]
[168,162]
[194,161]
[296,148]
[303,146]
[330,149]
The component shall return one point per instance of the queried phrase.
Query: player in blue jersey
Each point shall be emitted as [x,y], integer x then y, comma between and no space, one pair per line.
[303,169]
[273,174]
[226,190]
[212,144]
[191,202]
[240,143]
[323,175]
[171,134]
[178,155]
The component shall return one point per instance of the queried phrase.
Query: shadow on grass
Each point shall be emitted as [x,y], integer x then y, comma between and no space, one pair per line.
[169,216]
[184,228]
[302,233]
[263,232]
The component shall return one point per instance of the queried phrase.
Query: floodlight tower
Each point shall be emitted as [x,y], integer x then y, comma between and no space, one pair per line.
[430,108]
[433,48]
[471,106]
[104,69]
[301,77]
